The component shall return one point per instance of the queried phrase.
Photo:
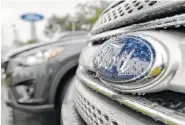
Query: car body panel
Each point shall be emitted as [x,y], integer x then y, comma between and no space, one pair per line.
[43,78]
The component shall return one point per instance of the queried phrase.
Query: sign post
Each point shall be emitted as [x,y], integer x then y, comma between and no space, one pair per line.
[33,31]
[32,18]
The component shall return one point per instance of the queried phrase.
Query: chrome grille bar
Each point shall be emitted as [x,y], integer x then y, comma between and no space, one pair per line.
[137,103]
[127,12]
[97,109]
[174,21]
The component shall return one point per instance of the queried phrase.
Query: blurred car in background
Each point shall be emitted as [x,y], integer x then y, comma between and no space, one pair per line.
[37,74]
[133,70]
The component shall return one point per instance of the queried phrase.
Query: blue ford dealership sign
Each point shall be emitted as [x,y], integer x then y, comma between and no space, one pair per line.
[32,17]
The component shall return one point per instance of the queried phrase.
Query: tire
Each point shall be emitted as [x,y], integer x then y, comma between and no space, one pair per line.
[68,113]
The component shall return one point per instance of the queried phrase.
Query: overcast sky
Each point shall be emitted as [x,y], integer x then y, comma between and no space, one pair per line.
[12,9]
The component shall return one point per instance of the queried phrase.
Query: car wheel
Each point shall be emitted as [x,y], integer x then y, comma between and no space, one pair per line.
[68,113]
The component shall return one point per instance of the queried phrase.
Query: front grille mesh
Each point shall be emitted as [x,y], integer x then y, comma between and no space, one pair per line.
[94,115]
[125,8]
[132,11]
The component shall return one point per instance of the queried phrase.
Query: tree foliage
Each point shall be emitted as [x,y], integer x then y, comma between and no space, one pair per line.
[85,16]
[31,41]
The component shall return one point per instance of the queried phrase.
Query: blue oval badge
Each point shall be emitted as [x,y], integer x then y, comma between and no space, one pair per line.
[124,59]
[32,17]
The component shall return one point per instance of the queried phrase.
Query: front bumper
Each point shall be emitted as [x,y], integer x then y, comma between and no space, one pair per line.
[11,101]
[30,84]
[27,87]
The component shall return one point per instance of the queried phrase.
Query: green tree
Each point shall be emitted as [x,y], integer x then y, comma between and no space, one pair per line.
[56,24]
[94,18]
[85,16]
[31,41]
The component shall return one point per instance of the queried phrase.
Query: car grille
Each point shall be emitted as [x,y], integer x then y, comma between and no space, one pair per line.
[167,99]
[173,22]
[96,109]
[157,106]
[127,12]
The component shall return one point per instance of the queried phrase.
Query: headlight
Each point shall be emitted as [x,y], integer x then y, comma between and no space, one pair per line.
[40,57]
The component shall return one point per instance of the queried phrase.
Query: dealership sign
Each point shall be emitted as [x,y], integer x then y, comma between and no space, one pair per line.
[32,17]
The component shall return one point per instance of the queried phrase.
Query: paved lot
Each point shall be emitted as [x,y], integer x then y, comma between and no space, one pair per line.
[15,117]
[6,113]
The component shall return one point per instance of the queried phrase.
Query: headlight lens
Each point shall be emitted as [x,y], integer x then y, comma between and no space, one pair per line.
[40,56]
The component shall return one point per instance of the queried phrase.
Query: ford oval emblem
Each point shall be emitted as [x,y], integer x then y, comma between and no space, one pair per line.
[124,59]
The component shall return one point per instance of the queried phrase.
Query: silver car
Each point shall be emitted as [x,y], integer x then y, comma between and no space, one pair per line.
[133,70]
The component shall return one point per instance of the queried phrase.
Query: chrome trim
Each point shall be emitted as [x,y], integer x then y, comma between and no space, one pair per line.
[160,61]
[174,21]
[96,109]
[140,104]
[86,57]
[172,49]
[177,84]
[128,12]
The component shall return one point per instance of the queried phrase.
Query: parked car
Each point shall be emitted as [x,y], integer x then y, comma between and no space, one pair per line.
[133,70]
[38,74]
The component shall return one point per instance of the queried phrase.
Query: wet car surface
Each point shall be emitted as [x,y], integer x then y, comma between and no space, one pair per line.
[12,116]
[33,119]
[114,66]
